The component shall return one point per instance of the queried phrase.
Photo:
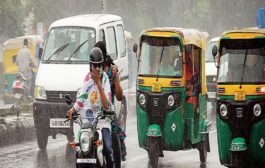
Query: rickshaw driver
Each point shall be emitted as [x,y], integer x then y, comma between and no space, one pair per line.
[169,63]
[155,59]
[193,83]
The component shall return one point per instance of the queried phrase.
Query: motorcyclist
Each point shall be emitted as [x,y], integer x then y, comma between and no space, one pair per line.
[95,95]
[116,90]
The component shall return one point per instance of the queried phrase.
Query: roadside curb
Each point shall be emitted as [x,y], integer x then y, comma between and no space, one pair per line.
[13,130]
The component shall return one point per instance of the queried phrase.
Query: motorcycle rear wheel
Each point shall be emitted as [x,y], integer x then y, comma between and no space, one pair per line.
[116,146]
[123,114]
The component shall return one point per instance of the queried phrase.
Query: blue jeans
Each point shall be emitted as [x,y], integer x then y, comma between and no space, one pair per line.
[107,146]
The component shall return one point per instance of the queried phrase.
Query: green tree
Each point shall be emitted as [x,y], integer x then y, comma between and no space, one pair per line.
[12,14]
[49,10]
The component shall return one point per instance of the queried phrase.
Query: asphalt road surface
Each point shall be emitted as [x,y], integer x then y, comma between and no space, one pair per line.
[59,155]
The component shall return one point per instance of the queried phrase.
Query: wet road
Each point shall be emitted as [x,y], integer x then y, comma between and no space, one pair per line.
[59,155]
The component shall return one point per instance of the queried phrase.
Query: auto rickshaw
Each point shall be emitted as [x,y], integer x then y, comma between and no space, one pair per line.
[240,108]
[171,92]
[10,69]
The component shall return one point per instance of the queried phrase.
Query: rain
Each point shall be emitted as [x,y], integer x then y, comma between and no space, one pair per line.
[32,19]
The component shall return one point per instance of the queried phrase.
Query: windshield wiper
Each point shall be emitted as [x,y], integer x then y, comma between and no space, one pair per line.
[76,50]
[158,70]
[243,72]
[57,51]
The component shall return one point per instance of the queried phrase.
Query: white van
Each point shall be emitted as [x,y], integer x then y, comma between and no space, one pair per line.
[64,65]
[211,70]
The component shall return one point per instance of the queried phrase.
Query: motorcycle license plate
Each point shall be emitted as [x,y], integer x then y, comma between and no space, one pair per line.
[59,123]
[87,160]
[18,96]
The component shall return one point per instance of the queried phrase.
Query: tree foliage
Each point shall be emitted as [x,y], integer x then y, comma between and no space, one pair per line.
[49,10]
[12,13]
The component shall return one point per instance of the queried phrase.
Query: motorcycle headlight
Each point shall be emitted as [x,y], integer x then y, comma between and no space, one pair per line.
[223,110]
[40,93]
[170,100]
[85,141]
[257,110]
[142,99]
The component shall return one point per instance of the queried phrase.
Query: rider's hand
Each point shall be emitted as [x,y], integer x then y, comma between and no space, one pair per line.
[96,76]
[70,112]
[114,70]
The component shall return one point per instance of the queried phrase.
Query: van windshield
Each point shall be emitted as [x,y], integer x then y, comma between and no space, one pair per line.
[69,45]
[160,57]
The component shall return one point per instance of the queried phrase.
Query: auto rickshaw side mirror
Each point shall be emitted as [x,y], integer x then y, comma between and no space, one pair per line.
[135,47]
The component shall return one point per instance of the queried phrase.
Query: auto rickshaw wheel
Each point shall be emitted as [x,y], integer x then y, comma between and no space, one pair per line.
[237,160]
[203,148]
[153,151]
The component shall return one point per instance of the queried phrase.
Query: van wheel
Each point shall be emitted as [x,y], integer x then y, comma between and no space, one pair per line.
[123,114]
[42,138]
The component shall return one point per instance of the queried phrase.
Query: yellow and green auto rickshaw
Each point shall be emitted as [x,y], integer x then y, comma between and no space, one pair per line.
[240,108]
[10,69]
[171,92]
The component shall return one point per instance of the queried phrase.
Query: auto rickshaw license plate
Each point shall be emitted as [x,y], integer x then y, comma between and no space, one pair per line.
[59,123]
[88,160]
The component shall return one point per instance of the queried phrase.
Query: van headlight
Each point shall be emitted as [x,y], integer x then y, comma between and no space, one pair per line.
[142,99]
[170,100]
[223,110]
[257,110]
[85,141]
[40,93]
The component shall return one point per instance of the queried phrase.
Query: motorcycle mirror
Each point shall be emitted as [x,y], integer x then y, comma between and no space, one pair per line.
[68,99]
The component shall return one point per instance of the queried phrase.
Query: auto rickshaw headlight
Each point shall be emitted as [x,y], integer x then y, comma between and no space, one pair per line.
[142,99]
[257,110]
[223,110]
[170,100]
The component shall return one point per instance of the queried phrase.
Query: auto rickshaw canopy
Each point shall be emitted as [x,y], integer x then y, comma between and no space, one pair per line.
[247,33]
[187,35]
[12,46]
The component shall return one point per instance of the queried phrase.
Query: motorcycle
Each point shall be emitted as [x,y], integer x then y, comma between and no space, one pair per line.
[20,89]
[91,153]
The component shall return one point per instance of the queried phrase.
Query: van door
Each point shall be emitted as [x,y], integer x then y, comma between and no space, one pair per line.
[116,48]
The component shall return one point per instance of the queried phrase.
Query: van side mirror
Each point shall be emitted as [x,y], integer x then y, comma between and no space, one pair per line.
[135,47]
[40,53]
[214,51]
[68,99]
